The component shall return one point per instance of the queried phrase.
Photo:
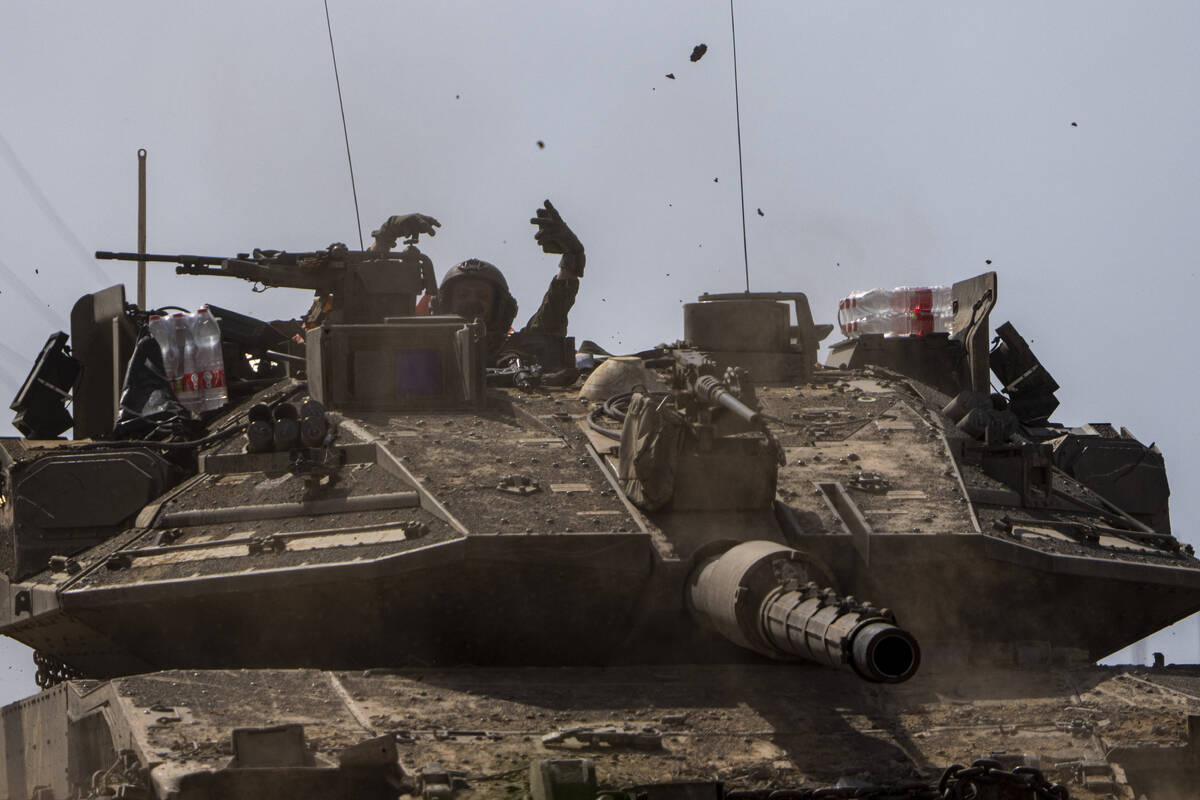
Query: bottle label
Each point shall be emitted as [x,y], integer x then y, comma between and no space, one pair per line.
[212,378]
[923,322]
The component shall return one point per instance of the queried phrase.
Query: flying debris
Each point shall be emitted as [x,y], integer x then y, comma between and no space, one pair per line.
[760,213]
[671,75]
[715,180]
[698,52]
[541,145]
[1074,124]
[987,261]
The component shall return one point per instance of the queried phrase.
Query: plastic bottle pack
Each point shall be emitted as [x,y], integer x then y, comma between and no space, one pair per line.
[192,358]
[903,311]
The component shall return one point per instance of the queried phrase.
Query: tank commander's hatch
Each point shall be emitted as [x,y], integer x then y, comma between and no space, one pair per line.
[405,363]
[102,338]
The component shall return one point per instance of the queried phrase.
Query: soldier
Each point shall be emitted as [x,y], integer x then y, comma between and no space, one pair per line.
[476,289]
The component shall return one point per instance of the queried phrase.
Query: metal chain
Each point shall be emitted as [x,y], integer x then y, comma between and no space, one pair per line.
[51,671]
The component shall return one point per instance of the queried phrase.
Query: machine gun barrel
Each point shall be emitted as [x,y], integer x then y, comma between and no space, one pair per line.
[694,377]
[751,595]
[712,392]
[270,269]
[199,261]
[360,286]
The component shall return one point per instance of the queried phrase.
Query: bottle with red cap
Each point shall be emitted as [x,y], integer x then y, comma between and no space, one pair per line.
[903,311]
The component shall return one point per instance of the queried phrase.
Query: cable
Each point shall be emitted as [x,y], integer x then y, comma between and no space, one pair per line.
[104,444]
[615,407]
[594,424]
[345,131]
[43,203]
[741,177]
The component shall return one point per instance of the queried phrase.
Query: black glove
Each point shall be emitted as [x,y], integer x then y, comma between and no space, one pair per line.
[555,237]
[408,226]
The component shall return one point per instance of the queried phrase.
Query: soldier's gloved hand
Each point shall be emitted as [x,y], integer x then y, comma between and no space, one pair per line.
[555,237]
[408,227]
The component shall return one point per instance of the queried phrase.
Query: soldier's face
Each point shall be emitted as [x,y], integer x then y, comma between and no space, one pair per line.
[471,298]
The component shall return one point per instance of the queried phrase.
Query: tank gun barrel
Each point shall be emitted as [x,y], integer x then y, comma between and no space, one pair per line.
[756,594]
[822,626]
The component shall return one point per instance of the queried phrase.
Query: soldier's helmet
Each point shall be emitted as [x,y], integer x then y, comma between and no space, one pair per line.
[504,308]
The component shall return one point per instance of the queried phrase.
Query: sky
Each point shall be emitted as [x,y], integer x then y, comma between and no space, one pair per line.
[885,144]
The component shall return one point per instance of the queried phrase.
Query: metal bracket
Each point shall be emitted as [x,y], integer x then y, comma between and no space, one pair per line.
[852,519]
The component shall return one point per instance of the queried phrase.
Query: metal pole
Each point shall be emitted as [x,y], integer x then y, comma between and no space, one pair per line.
[141,242]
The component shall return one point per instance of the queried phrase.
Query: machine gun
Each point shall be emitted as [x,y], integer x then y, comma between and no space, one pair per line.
[704,448]
[699,392]
[354,286]
[697,387]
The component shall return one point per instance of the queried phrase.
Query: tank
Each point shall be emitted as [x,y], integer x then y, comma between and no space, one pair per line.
[387,569]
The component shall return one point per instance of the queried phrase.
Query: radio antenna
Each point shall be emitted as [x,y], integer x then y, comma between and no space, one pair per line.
[346,133]
[738,113]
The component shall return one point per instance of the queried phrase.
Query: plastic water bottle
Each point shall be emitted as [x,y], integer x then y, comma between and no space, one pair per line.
[210,362]
[893,323]
[187,388]
[875,302]
[862,305]
[903,311]
[163,332]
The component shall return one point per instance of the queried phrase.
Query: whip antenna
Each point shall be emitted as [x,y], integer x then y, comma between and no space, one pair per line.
[741,177]
[346,133]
